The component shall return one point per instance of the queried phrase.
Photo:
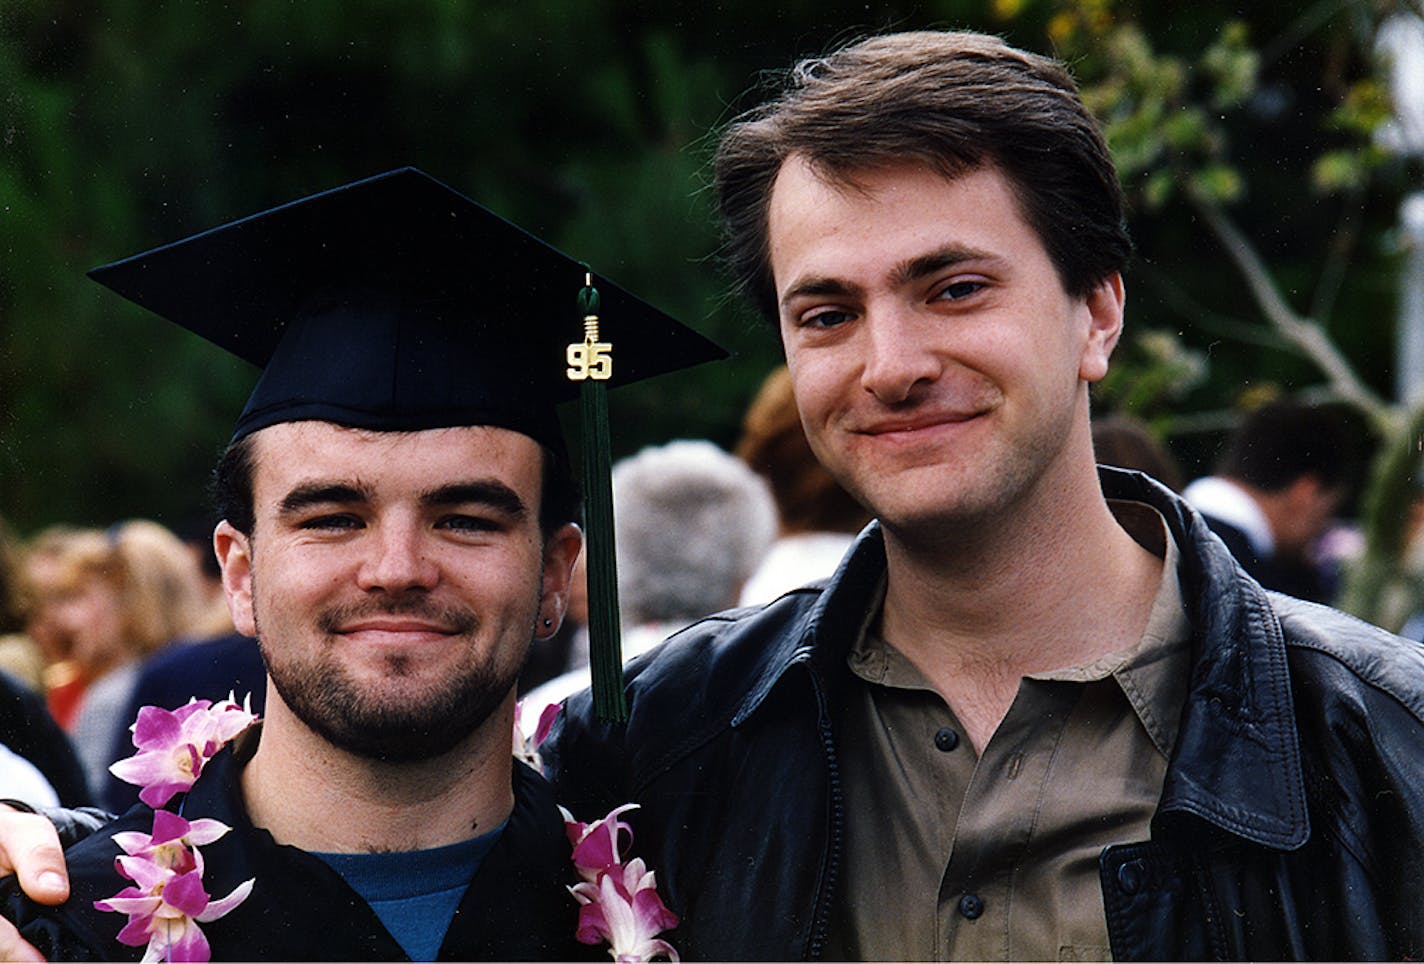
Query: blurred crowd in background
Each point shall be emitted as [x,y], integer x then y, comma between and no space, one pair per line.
[1282,117]
[96,623]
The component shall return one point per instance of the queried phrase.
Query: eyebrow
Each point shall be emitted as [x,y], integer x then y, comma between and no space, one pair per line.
[818,285]
[489,492]
[906,271]
[927,264]
[322,493]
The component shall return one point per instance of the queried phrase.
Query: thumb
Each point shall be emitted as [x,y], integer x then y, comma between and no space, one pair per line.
[29,848]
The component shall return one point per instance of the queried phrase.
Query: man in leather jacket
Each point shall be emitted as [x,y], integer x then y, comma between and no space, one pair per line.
[1038,712]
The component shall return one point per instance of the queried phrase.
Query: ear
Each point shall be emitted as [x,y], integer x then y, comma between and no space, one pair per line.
[1104,305]
[561,550]
[235,556]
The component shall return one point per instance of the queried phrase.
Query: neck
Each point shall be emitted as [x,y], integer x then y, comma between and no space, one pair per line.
[1049,583]
[312,795]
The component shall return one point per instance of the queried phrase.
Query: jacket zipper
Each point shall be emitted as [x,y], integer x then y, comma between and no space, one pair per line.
[821,919]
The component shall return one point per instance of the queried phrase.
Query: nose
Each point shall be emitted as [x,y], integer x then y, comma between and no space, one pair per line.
[398,562]
[897,357]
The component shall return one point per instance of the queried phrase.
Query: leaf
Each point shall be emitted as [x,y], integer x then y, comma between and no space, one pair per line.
[1218,182]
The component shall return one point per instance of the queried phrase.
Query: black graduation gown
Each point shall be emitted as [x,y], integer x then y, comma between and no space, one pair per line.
[516,908]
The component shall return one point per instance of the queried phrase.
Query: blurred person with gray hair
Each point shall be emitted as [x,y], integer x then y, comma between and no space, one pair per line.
[692,523]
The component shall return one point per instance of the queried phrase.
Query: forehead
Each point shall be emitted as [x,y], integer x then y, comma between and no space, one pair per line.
[392,463]
[901,206]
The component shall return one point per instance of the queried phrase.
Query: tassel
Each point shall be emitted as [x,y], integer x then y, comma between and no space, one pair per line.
[592,364]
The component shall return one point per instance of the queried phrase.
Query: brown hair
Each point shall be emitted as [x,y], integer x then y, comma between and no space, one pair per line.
[1124,441]
[952,101]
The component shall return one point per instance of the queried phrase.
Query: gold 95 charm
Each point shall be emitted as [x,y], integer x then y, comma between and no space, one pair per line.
[591,358]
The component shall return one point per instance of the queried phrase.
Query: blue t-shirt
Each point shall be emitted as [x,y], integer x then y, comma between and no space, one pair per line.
[415,892]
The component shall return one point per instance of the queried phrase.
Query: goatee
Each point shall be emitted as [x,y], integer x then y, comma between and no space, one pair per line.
[391,727]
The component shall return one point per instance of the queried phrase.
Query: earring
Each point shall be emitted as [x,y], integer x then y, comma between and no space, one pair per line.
[548,622]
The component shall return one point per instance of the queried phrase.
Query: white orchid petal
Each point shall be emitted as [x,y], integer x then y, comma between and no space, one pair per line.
[205,831]
[219,908]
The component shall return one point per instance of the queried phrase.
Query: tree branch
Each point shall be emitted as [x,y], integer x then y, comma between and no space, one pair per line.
[1304,333]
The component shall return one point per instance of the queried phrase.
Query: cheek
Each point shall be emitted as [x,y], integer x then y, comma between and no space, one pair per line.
[815,377]
[514,583]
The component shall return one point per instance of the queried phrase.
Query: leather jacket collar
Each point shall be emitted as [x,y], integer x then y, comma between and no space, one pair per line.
[1237,760]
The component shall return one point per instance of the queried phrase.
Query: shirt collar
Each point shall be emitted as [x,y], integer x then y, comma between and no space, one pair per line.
[1152,673]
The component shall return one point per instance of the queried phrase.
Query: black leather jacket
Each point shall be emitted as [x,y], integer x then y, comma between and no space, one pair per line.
[1291,823]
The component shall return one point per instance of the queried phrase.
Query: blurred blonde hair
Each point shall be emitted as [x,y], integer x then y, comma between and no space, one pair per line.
[154,574]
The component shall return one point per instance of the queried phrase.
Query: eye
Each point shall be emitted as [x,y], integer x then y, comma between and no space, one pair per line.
[958,290]
[468,523]
[829,318]
[336,522]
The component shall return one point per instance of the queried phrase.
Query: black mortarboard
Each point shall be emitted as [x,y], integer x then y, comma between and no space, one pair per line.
[396,303]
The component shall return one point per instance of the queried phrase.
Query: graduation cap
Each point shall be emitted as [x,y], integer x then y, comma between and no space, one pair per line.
[397,304]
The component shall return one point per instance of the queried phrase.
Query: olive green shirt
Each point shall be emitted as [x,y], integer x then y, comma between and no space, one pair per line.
[950,856]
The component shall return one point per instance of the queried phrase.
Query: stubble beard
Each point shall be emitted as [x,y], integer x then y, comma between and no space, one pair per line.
[957,507]
[390,728]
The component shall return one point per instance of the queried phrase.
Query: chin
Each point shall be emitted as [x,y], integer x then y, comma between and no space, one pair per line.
[398,719]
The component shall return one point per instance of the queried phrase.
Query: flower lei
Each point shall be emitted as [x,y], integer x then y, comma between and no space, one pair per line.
[618,900]
[167,900]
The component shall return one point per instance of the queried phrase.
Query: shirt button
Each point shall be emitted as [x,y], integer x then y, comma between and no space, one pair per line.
[971,906]
[946,739]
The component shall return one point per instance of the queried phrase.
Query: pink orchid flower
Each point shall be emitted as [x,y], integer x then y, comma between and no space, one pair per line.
[168,900]
[173,746]
[618,902]
[596,844]
[624,909]
[527,748]
[168,845]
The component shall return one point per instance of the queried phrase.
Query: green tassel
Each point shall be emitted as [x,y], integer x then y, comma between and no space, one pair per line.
[605,651]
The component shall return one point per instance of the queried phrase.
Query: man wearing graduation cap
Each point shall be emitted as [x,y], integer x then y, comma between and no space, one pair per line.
[399,522]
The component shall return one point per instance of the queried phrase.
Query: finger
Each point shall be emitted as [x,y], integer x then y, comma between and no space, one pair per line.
[13,946]
[29,847]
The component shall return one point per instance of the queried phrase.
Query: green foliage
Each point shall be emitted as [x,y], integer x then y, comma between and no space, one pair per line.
[1151,375]
[1271,152]
[1231,67]
[1162,113]
[126,123]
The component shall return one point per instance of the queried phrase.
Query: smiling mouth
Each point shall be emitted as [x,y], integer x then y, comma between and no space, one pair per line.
[416,621]
[389,637]
[395,627]
[910,426]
